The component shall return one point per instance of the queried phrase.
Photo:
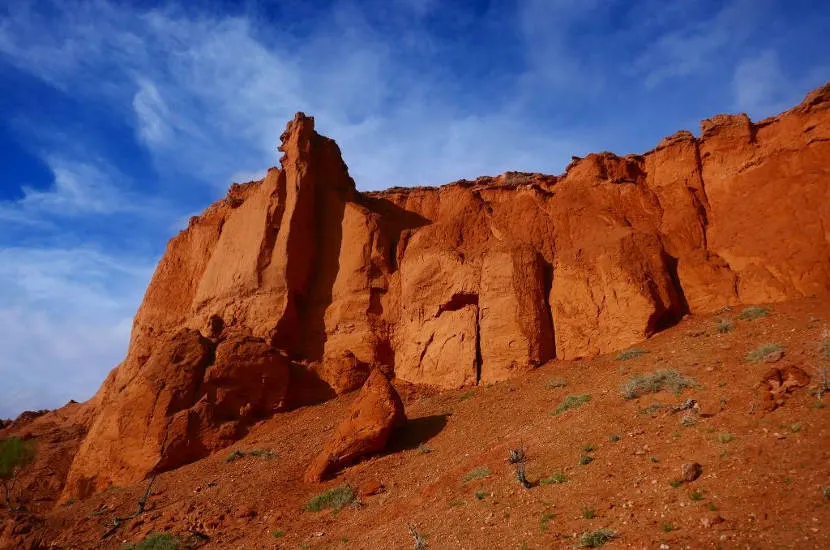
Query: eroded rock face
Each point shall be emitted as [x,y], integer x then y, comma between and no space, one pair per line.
[373,416]
[294,288]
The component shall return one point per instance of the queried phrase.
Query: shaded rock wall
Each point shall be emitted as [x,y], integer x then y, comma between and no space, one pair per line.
[291,289]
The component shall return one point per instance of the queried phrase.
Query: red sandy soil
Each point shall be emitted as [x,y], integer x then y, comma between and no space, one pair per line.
[766,484]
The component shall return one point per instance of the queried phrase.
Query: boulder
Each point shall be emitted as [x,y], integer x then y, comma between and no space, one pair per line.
[373,416]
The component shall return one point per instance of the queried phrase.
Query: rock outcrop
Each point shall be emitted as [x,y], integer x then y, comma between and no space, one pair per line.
[373,416]
[292,289]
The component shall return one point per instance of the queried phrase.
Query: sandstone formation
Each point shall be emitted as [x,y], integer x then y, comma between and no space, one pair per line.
[375,413]
[292,289]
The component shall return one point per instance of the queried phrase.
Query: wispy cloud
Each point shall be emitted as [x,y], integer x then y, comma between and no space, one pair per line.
[65,318]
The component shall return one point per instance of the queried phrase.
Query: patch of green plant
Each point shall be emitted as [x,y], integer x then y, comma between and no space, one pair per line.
[572,402]
[262,453]
[712,507]
[653,408]
[476,473]
[544,521]
[667,527]
[236,454]
[633,353]
[155,541]
[15,454]
[696,495]
[725,437]
[585,460]
[655,459]
[588,448]
[724,326]
[335,498]
[826,493]
[594,539]
[795,428]
[466,395]
[588,513]
[613,438]
[481,495]
[759,354]
[676,483]
[556,477]
[277,534]
[556,383]
[423,449]
[670,379]
[753,312]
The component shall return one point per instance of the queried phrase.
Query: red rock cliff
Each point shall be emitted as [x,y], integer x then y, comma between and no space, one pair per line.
[292,288]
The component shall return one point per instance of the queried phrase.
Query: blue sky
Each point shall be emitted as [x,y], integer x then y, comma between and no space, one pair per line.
[120,120]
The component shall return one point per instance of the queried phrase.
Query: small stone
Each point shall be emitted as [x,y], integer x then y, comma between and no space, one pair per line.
[709,521]
[690,471]
[370,488]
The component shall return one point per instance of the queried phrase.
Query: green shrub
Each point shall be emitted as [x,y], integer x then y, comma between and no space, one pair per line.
[556,477]
[641,384]
[236,454]
[571,402]
[588,513]
[15,454]
[753,312]
[594,539]
[476,473]
[585,460]
[423,449]
[759,354]
[155,541]
[724,326]
[335,498]
[556,383]
[725,437]
[630,354]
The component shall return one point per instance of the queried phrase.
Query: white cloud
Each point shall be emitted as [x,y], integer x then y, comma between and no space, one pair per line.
[79,188]
[694,45]
[65,320]
[212,94]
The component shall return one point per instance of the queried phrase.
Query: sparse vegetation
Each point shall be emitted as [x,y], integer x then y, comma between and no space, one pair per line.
[595,539]
[481,495]
[544,521]
[236,454]
[653,408]
[476,473]
[466,395]
[724,326]
[155,541]
[759,354]
[753,312]
[420,543]
[588,448]
[633,353]
[277,534]
[516,456]
[826,493]
[423,449]
[456,503]
[696,495]
[667,527]
[676,483]
[613,438]
[15,454]
[556,477]
[585,460]
[725,437]
[795,428]
[556,383]
[571,402]
[712,507]
[335,498]
[588,513]
[655,459]
[641,384]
